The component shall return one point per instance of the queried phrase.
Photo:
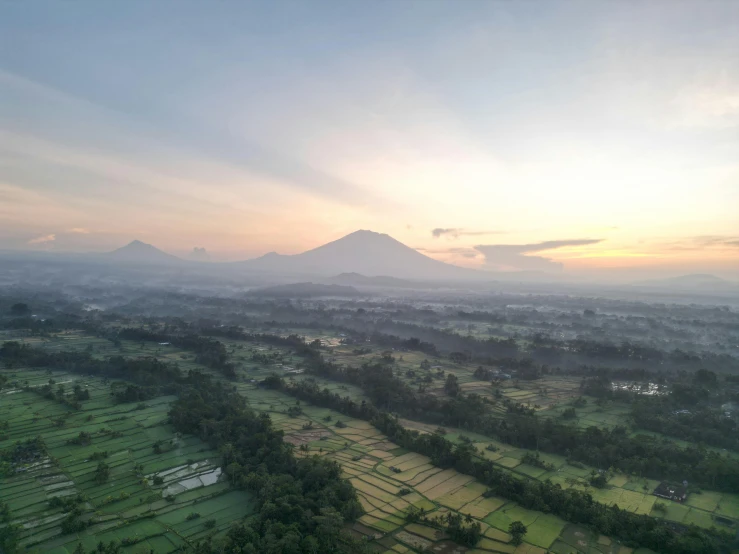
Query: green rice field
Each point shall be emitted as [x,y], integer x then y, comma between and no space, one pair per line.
[128,507]
[380,470]
[131,508]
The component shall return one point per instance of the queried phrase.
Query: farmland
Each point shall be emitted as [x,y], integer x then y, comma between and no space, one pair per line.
[128,507]
[368,458]
[140,515]
[166,491]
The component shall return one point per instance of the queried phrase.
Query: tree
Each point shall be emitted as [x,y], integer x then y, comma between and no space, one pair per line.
[102,473]
[598,480]
[517,531]
[110,548]
[451,387]
[458,357]
[19,309]
[329,526]
[705,377]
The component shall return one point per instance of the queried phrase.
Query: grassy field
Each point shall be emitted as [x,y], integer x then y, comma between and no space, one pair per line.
[128,507]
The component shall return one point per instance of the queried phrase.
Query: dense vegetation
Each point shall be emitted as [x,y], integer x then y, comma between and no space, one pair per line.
[303,503]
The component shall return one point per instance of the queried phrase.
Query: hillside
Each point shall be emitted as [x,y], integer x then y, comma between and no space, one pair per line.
[359,280]
[305,290]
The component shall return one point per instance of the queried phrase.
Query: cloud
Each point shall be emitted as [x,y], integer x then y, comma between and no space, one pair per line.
[714,106]
[715,241]
[552,244]
[463,252]
[438,232]
[515,256]
[208,144]
[455,232]
[199,253]
[43,239]
[702,242]
[78,231]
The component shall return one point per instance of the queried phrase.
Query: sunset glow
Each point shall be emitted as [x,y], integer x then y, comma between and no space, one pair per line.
[510,124]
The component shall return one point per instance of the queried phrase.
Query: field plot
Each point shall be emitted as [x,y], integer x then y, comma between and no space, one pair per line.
[609,414]
[706,509]
[148,493]
[388,484]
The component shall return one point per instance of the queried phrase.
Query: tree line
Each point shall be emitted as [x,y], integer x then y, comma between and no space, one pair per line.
[211,353]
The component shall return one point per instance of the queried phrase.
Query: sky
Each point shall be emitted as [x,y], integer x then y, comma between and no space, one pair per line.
[581,137]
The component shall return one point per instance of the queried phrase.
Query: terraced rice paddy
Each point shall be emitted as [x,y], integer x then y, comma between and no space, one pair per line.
[389,479]
[629,492]
[128,507]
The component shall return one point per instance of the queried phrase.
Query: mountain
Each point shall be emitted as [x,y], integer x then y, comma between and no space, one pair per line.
[359,280]
[138,252]
[305,290]
[697,281]
[367,253]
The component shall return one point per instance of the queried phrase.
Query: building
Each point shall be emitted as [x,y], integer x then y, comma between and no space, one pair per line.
[677,493]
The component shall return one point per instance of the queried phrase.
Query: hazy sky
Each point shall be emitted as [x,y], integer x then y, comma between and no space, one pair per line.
[516,135]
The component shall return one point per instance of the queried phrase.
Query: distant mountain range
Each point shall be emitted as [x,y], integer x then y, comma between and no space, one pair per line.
[305,290]
[369,259]
[367,253]
[376,259]
[698,281]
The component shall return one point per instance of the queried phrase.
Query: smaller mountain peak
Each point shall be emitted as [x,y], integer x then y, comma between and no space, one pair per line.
[137,250]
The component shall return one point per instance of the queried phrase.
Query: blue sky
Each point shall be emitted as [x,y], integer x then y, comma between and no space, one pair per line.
[610,129]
